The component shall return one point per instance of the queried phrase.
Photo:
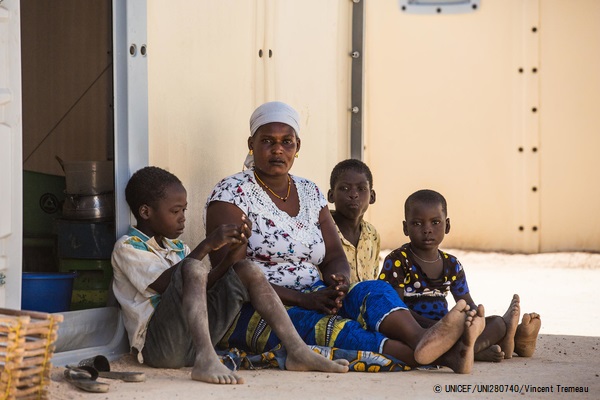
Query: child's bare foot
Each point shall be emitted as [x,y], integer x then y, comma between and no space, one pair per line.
[492,354]
[443,335]
[526,335]
[461,356]
[304,359]
[511,319]
[211,370]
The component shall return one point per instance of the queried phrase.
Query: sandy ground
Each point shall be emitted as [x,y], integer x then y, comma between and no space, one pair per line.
[560,287]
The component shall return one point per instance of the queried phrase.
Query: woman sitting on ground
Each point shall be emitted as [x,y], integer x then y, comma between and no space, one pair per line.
[295,243]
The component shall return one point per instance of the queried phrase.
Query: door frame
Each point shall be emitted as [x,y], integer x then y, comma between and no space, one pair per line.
[130,88]
[11,156]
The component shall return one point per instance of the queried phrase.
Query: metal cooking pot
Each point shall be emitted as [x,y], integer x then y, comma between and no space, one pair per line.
[88,177]
[89,207]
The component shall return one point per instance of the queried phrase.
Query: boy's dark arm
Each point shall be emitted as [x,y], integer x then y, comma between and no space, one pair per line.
[219,213]
[162,282]
[467,297]
[233,255]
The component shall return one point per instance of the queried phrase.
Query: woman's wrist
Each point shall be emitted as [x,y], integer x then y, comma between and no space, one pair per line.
[290,297]
[301,298]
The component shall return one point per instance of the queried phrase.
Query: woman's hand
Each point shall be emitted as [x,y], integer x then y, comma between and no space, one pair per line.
[341,281]
[326,301]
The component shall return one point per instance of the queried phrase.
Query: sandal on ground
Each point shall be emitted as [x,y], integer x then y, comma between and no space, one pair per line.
[101,364]
[84,378]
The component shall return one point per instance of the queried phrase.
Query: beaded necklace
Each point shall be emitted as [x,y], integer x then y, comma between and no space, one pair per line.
[425,261]
[271,190]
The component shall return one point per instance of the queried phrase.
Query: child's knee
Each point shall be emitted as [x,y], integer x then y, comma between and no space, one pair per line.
[194,265]
[248,271]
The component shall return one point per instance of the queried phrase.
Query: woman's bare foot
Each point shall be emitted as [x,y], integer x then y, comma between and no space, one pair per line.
[210,369]
[304,359]
[461,356]
[511,319]
[526,335]
[443,335]
[492,354]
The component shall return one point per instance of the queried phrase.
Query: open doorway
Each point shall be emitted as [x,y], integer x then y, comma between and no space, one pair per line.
[67,106]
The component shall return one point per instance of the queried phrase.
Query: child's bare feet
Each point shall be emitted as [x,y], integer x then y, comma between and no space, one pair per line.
[304,359]
[443,335]
[526,335]
[511,319]
[210,369]
[492,354]
[461,356]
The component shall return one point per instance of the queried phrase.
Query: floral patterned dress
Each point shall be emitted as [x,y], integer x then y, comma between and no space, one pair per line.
[288,250]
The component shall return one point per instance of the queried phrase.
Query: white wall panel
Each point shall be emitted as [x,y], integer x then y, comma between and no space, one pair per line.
[202,61]
[441,114]
[311,70]
[206,77]
[570,124]
[498,110]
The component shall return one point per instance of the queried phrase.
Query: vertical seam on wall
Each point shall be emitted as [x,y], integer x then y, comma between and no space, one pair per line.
[535,110]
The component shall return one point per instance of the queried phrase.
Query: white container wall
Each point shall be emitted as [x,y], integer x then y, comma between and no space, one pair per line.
[497,110]
[211,63]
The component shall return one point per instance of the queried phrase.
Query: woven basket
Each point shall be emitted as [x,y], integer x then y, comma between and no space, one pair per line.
[26,348]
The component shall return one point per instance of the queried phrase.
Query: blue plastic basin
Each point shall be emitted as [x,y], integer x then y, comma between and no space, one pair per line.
[47,292]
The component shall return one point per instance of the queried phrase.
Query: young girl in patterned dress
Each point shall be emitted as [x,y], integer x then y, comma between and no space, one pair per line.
[423,275]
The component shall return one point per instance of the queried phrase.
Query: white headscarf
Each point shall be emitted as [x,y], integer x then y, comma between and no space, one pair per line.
[274,111]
